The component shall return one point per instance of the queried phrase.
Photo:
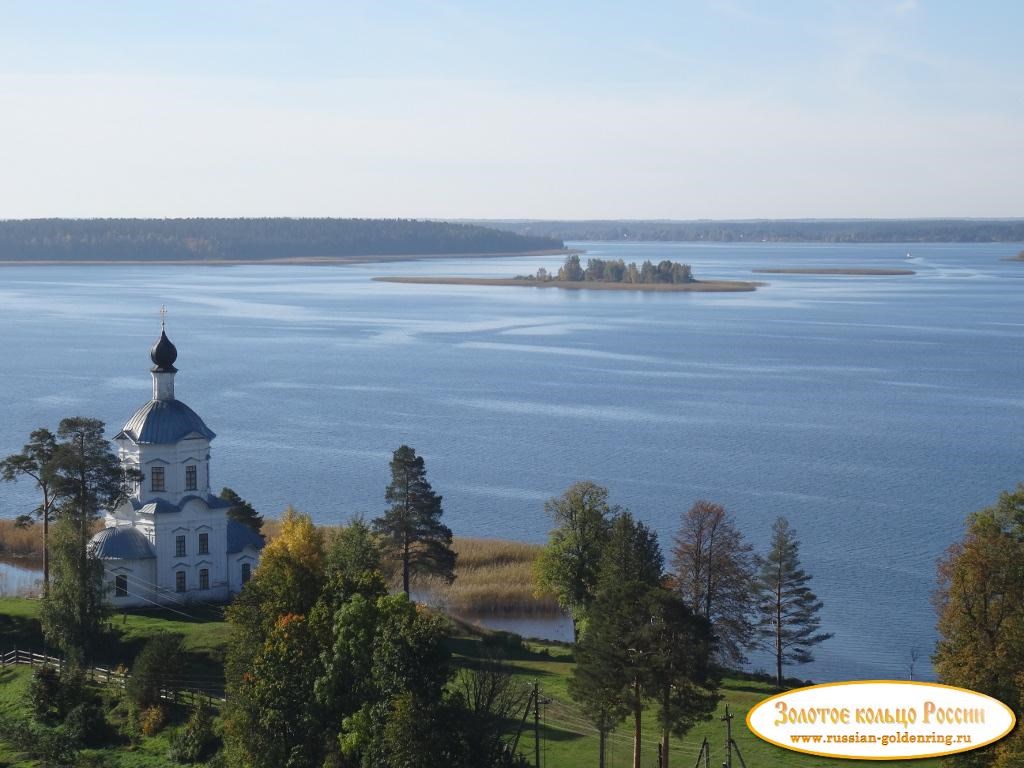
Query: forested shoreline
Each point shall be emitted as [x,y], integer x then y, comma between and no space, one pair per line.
[774,230]
[209,239]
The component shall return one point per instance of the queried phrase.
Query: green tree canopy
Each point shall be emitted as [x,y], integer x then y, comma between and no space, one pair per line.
[568,566]
[353,549]
[73,610]
[788,608]
[159,666]
[87,479]
[411,530]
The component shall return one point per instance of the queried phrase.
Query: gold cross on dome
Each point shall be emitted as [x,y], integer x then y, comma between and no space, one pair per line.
[163,315]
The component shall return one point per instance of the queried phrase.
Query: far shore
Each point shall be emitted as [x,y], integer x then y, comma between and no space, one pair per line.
[856,271]
[699,286]
[287,260]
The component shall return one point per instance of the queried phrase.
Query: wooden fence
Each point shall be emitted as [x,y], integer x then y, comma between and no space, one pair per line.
[105,676]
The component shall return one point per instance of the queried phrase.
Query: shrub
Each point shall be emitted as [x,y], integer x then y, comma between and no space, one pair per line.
[54,746]
[86,725]
[151,720]
[44,693]
[196,739]
[131,728]
[158,666]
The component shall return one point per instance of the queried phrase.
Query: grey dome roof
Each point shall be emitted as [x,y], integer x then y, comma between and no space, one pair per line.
[163,354]
[121,544]
[164,421]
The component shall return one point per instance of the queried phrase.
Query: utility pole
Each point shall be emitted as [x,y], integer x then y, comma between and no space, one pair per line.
[536,724]
[728,737]
[730,743]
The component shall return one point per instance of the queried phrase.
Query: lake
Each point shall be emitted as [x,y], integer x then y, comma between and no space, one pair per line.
[873,412]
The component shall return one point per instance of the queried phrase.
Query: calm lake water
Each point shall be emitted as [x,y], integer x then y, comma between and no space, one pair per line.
[873,412]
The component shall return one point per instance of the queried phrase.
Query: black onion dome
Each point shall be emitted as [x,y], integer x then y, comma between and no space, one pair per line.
[163,354]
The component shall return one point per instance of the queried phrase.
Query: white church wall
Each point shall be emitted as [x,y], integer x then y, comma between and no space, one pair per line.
[139,582]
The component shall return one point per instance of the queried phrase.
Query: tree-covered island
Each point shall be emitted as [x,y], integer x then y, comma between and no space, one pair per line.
[599,274]
[615,271]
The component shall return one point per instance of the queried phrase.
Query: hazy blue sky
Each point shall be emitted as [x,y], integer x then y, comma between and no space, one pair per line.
[723,108]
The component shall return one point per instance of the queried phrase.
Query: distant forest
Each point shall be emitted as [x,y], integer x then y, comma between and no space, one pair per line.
[250,239]
[788,230]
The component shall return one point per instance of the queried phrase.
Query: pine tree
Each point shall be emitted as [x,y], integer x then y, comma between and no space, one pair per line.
[411,529]
[788,608]
[615,654]
[36,462]
[241,511]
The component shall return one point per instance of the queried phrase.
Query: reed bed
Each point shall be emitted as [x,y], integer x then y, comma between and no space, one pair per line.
[492,577]
[21,542]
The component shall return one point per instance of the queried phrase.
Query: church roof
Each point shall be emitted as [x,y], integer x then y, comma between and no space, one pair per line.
[163,507]
[164,421]
[121,543]
[241,536]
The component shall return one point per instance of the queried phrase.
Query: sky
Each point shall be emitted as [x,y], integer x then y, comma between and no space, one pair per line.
[559,109]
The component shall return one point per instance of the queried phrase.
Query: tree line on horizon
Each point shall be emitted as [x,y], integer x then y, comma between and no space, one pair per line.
[200,239]
[777,230]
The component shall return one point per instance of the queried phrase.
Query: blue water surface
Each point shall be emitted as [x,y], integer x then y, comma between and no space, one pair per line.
[873,412]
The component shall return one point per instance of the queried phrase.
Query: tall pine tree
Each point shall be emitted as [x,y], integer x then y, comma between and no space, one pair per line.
[411,530]
[36,462]
[788,608]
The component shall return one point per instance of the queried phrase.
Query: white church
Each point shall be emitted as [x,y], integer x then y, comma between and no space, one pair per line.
[171,542]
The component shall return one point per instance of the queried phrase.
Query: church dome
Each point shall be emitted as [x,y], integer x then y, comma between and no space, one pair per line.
[165,421]
[163,354]
[121,544]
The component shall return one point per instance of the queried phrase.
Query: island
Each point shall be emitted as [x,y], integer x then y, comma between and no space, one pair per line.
[599,274]
[849,271]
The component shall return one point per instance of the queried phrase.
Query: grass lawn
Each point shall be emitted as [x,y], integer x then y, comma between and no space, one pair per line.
[569,741]
[205,636]
[151,753]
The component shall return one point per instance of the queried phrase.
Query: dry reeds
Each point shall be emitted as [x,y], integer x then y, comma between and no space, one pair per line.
[492,576]
[21,542]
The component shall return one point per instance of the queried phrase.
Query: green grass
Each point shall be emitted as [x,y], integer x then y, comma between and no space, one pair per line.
[151,753]
[205,637]
[569,741]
